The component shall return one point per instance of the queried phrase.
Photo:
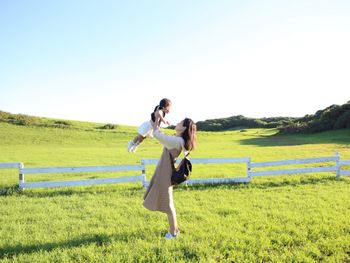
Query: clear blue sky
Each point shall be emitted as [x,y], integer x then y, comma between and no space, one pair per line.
[112,61]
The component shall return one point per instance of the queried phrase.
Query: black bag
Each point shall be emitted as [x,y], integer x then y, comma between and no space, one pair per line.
[182,172]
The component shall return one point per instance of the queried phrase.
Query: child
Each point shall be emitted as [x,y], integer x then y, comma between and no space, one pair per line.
[146,129]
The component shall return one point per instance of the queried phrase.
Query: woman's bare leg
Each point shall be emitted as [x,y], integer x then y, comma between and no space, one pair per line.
[173,222]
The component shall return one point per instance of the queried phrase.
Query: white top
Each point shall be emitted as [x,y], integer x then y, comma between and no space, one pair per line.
[168,141]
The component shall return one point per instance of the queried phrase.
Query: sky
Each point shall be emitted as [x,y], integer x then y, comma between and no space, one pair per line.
[112,61]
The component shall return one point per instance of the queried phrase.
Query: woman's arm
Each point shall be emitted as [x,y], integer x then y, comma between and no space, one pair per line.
[169,142]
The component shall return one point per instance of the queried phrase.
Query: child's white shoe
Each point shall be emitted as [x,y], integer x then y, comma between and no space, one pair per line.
[130,146]
[134,147]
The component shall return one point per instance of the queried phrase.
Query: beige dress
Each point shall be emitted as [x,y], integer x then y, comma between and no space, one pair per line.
[159,194]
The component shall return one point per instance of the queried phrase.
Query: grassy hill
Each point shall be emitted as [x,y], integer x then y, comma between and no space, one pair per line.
[300,218]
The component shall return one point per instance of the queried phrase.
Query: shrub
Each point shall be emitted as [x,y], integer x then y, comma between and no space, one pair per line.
[62,123]
[293,127]
[4,116]
[343,121]
[22,119]
[108,126]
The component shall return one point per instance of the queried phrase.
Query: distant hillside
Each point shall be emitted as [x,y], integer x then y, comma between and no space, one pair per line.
[27,120]
[240,121]
[331,118]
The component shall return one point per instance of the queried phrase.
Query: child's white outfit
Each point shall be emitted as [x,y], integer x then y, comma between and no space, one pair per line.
[146,129]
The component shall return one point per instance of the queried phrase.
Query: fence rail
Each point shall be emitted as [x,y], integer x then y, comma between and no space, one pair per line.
[295,171]
[338,167]
[83,169]
[344,172]
[81,182]
[295,161]
[243,179]
[10,165]
[344,162]
[204,160]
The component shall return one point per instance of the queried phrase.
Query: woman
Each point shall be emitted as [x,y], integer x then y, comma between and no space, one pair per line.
[159,195]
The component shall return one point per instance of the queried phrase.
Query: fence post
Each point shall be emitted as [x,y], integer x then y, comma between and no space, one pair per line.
[248,169]
[143,173]
[21,176]
[338,165]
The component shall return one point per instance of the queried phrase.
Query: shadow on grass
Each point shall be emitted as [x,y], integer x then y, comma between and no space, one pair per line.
[10,190]
[268,183]
[329,137]
[298,182]
[9,251]
[83,191]
[73,191]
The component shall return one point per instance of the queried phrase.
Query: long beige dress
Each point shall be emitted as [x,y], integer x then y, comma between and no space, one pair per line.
[159,194]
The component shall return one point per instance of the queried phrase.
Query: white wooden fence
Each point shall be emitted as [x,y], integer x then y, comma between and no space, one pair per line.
[24,171]
[341,172]
[336,166]
[11,165]
[244,179]
[332,168]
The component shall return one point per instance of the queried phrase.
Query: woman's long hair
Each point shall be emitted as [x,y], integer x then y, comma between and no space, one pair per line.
[189,134]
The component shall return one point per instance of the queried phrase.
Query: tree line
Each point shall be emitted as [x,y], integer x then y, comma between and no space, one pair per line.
[331,118]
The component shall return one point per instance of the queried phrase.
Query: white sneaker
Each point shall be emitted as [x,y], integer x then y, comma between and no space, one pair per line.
[130,146]
[134,147]
[171,236]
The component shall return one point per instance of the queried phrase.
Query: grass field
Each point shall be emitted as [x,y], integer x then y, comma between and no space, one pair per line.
[291,218]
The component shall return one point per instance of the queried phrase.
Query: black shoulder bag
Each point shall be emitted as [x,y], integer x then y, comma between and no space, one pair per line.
[183,170]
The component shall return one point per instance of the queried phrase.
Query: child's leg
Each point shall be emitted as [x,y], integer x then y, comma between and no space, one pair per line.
[132,145]
[138,139]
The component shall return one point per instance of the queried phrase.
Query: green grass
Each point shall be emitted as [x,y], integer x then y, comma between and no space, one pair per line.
[291,218]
